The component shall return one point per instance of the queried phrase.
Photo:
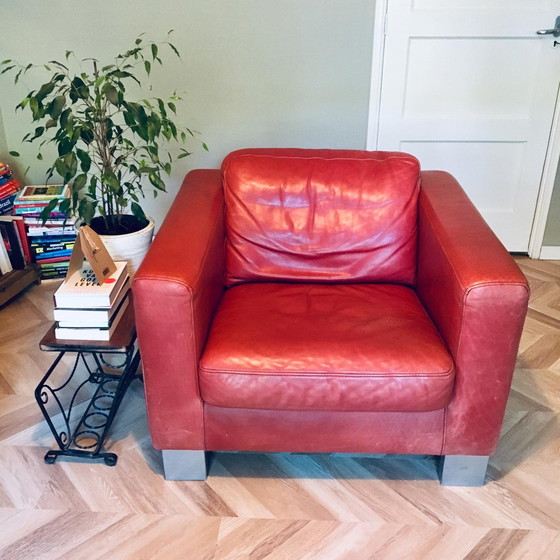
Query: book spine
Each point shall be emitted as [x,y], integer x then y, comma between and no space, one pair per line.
[38,249]
[9,188]
[6,204]
[52,274]
[47,260]
[37,214]
[5,264]
[51,239]
[51,254]
[30,209]
[12,244]
[42,233]
[5,177]
[32,204]
[24,240]
[50,223]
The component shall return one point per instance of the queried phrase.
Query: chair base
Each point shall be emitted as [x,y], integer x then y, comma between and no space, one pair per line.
[455,470]
[463,470]
[184,464]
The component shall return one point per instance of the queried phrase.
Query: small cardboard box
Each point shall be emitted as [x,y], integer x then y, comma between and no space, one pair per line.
[88,245]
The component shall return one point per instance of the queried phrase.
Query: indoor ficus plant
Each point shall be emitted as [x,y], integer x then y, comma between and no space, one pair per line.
[111,146]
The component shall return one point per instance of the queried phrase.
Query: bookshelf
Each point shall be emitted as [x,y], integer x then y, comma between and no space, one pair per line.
[12,283]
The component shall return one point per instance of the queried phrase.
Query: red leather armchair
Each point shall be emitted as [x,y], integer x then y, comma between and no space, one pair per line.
[327,301]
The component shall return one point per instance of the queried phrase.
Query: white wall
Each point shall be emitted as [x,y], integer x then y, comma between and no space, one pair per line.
[255,72]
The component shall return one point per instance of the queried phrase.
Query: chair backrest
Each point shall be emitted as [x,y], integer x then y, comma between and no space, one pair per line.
[305,215]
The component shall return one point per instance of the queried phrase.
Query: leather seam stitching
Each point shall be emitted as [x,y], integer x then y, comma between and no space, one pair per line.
[324,375]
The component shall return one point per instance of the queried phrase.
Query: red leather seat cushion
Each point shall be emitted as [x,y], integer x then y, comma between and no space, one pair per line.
[320,215]
[358,347]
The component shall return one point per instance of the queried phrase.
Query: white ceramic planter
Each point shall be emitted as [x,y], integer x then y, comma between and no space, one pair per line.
[130,247]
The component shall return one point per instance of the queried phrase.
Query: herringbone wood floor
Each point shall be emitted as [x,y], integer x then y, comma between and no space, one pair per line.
[278,506]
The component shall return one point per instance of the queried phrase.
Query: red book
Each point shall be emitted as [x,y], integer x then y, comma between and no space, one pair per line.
[36,204]
[55,259]
[24,240]
[9,188]
[21,233]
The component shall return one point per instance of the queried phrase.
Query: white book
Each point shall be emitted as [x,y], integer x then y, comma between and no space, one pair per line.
[97,317]
[81,290]
[5,264]
[45,232]
[92,333]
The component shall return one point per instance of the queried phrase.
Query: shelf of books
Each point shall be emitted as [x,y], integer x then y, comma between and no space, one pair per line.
[31,249]
[17,269]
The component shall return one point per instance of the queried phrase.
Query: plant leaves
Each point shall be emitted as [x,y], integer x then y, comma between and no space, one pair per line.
[174,50]
[112,94]
[56,106]
[38,133]
[85,160]
[138,212]
[79,182]
[44,90]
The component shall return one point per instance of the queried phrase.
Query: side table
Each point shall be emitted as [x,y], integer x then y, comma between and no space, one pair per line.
[100,381]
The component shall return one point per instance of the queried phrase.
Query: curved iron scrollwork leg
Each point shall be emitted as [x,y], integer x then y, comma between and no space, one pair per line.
[85,437]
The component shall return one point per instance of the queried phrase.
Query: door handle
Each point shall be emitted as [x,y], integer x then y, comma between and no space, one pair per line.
[554,32]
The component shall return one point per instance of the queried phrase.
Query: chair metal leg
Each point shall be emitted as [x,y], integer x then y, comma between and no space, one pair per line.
[463,470]
[181,464]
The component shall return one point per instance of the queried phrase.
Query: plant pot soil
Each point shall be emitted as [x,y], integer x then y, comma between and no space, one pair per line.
[128,223]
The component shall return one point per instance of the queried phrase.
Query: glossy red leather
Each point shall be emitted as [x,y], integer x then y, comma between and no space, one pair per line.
[177,289]
[477,297]
[339,347]
[241,429]
[469,286]
[320,216]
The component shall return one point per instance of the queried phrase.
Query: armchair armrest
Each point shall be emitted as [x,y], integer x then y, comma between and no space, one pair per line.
[477,297]
[176,292]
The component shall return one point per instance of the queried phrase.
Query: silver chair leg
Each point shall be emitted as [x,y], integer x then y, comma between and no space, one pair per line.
[463,470]
[180,464]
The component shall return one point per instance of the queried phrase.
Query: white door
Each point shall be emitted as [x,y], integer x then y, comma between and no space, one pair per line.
[468,86]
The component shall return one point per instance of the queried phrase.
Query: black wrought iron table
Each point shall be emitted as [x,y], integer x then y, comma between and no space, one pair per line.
[80,401]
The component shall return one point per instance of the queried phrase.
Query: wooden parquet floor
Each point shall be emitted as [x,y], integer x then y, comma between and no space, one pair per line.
[278,506]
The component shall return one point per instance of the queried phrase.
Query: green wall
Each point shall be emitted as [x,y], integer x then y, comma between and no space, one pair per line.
[552,230]
[3,143]
[256,72]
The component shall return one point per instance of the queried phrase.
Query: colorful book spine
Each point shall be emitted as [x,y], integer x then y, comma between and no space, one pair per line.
[9,188]
[24,240]
[40,250]
[37,214]
[6,204]
[49,260]
[32,209]
[61,253]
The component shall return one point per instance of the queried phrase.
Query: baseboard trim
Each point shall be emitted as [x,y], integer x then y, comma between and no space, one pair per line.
[550,253]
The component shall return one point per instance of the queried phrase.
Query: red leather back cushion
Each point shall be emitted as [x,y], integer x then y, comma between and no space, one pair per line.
[320,215]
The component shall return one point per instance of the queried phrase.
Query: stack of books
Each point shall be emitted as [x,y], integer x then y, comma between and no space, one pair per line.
[8,189]
[87,310]
[51,242]
[52,252]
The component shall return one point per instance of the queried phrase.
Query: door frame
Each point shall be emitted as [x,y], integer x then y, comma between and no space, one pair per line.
[552,157]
